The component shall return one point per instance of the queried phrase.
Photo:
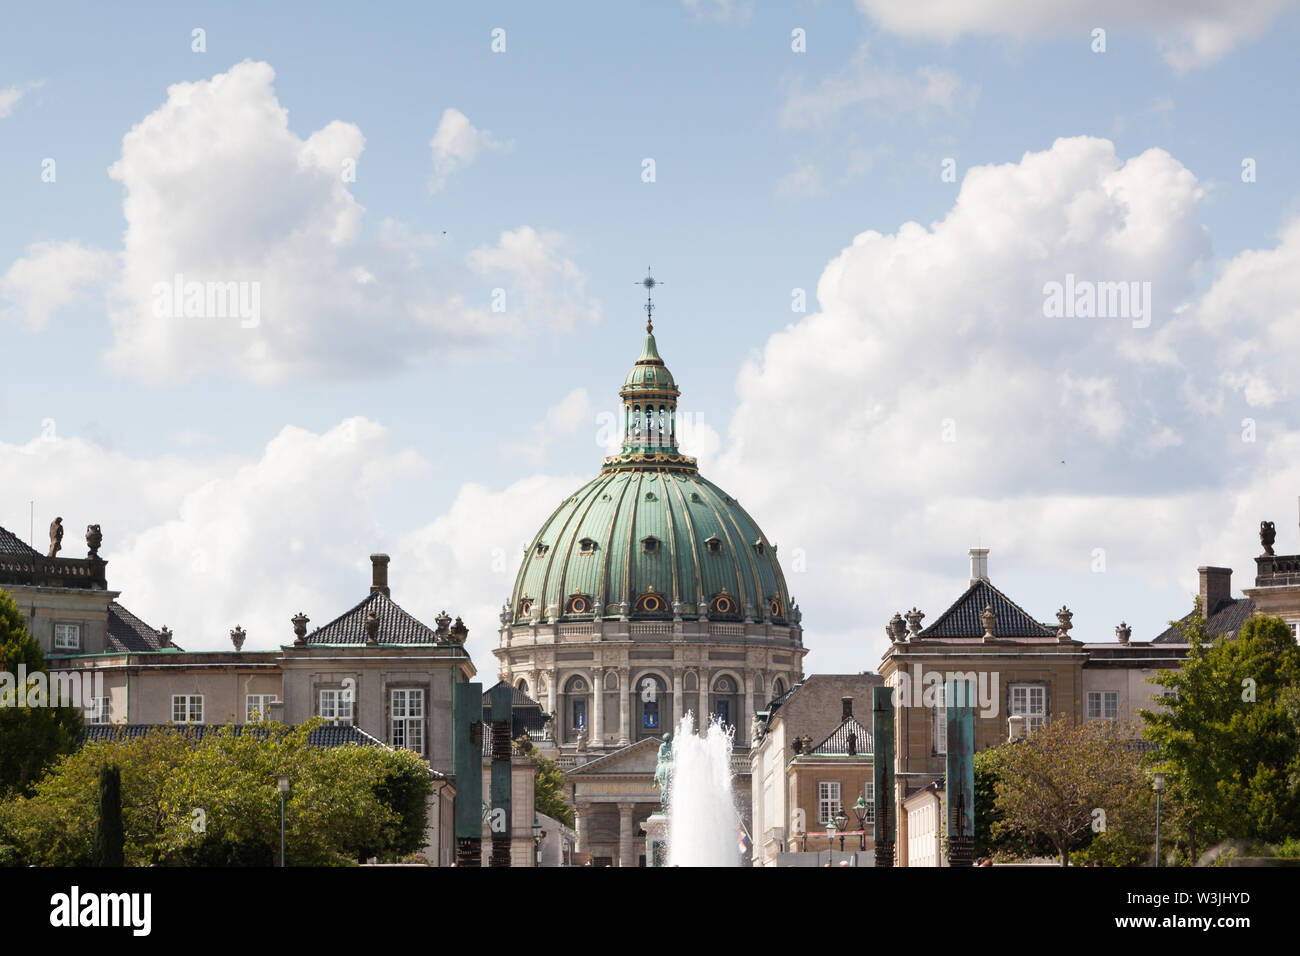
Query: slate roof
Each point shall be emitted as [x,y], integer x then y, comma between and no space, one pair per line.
[837,741]
[128,634]
[327,735]
[10,543]
[526,716]
[396,626]
[1227,618]
[963,618]
[518,697]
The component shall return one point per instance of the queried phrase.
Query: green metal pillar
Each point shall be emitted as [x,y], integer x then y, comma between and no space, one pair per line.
[882,773]
[467,763]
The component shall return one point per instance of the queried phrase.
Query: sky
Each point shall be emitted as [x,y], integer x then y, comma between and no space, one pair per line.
[866,219]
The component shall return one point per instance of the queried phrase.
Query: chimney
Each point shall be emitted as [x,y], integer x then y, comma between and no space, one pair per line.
[979,564]
[379,574]
[1216,588]
[846,705]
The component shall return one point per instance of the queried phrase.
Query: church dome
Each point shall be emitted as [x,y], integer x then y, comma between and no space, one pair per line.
[649,538]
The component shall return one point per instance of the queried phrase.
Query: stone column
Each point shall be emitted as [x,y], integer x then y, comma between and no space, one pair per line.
[626,838]
[702,716]
[677,698]
[624,702]
[582,827]
[596,732]
[751,682]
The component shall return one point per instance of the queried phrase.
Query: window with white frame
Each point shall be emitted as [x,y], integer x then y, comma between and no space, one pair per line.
[67,637]
[408,719]
[869,797]
[336,704]
[258,707]
[98,711]
[1029,701]
[1103,704]
[828,801]
[940,714]
[187,708]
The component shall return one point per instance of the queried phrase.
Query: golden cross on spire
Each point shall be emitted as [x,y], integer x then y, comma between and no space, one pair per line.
[650,282]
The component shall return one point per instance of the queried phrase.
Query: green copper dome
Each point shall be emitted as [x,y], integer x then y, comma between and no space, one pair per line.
[649,537]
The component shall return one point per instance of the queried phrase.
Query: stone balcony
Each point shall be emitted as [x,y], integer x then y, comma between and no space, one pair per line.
[38,571]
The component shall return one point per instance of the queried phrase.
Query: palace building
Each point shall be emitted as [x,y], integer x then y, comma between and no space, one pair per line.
[649,593]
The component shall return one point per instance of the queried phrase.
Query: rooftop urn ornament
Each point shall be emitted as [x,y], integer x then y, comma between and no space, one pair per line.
[56,537]
[796,615]
[989,620]
[702,610]
[94,538]
[371,626]
[1123,632]
[897,629]
[677,610]
[459,632]
[504,616]
[237,637]
[1267,535]
[914,619]
[443,620]
[1063,619]
[164,636]
[300,628]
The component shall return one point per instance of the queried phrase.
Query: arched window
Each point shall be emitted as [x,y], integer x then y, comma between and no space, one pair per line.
[654,706]
[578,604]
[521,685]
[576,695]
[651,602]
[724,702]
[723,605]
[778,688]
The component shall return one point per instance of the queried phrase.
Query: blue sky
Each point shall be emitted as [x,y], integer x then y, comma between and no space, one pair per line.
[467,427]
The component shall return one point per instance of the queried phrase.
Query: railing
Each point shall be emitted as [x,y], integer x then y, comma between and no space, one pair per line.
[40,571]
[726,630]
[577,630]
[651,630]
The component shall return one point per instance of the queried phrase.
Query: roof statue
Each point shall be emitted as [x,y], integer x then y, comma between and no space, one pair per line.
[56,537]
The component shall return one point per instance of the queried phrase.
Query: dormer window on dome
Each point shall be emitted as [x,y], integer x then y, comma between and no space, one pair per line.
[774,607]
[651,603]
[578,604]
[713,544]
[759,547]
[542,549]
[650,544]
[723,605]
[525,607]
[586,546]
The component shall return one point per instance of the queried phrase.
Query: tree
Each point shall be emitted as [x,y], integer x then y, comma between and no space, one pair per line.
[548,788]
[1228,736]
[214,802]
[109,837]
[1068,780]
[31,738]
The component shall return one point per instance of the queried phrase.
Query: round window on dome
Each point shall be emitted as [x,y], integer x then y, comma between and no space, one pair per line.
[651,603]
[579,604]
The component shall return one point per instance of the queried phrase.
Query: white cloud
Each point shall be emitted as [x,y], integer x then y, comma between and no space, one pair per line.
[10,95]
[865,83]
[930,402]
[50,276]
[800,183]
[537,278]
[456,145]
[219,190]
[1189,35]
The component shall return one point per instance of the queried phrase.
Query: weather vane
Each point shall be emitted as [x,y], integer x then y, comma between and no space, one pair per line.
[649,282]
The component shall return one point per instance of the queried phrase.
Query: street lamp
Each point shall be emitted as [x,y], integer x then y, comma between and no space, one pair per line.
[860,811]
[1158,784]
[539,834]
[841,824]
[282,785]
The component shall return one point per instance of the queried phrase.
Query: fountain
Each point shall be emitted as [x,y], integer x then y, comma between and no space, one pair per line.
[701,825]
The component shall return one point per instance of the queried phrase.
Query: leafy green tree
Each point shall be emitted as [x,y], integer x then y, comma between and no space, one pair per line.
[1067,781]
[215,802]
[31,738]
[548,788]
[1006,844]
[109,838]
[1228,736]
